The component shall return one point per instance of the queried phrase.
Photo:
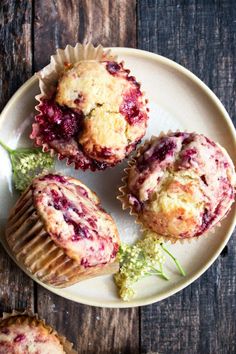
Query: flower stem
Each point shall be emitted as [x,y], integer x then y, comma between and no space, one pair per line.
[159,272]
[5,147]
[164,276]
[178,265]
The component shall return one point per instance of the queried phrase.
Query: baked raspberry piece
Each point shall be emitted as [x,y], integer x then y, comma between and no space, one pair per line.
[95,118]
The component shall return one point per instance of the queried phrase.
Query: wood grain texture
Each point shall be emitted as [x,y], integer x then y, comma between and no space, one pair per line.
[16,289]
[111,23]
[93,330]
[58,23]
[201,36]
[198,34]
[15,47]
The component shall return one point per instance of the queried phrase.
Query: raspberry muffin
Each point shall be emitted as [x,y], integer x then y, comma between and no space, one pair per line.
[21,333]
[60,233]
[180,185]
[95,118]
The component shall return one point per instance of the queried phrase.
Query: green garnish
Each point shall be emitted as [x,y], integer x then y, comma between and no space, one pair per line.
[146,257]
[178,265]
[26,164]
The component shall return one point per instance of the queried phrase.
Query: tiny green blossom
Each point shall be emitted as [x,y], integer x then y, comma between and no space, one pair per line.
[146,257]
[26,164]
[126,293]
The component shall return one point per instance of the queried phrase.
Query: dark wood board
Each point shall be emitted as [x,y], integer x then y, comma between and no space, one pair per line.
[109,23]
[201,36]
[16,289]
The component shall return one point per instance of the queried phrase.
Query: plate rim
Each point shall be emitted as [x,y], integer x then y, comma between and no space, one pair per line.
[176,288]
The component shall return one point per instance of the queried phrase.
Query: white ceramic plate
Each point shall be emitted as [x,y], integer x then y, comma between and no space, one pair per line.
[178,100]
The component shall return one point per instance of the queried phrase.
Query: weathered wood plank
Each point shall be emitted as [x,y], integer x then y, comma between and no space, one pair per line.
[58,23]
[16,289]
[92,329]
[201,36]
[112,23]
[15,47]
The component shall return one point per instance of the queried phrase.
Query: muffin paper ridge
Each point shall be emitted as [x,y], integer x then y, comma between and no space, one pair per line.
[33,319]
[48,76]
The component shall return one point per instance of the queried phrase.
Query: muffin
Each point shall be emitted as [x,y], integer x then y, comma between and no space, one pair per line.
[22,333]
[96,116]
[180,185]
[60,233]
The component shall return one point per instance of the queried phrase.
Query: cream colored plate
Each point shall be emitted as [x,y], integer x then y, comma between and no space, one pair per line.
[178,100]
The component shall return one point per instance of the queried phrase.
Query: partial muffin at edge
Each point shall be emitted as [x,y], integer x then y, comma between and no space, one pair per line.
[27,334]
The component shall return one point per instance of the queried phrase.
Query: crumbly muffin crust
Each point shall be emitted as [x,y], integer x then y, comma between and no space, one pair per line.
[181,185]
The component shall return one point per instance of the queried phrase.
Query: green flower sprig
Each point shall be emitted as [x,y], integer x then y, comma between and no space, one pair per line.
[26,164]
[147,257]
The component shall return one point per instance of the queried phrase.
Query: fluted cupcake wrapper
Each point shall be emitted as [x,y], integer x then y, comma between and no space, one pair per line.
[33,320]
[49,76]
[36,252]
[124,199]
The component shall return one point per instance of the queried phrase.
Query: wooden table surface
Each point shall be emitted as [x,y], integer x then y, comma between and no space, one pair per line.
[200,35]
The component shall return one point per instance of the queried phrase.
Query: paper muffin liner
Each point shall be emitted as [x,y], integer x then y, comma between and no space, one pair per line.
[124,191]
[49,76]
[37,253]
[33,320]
